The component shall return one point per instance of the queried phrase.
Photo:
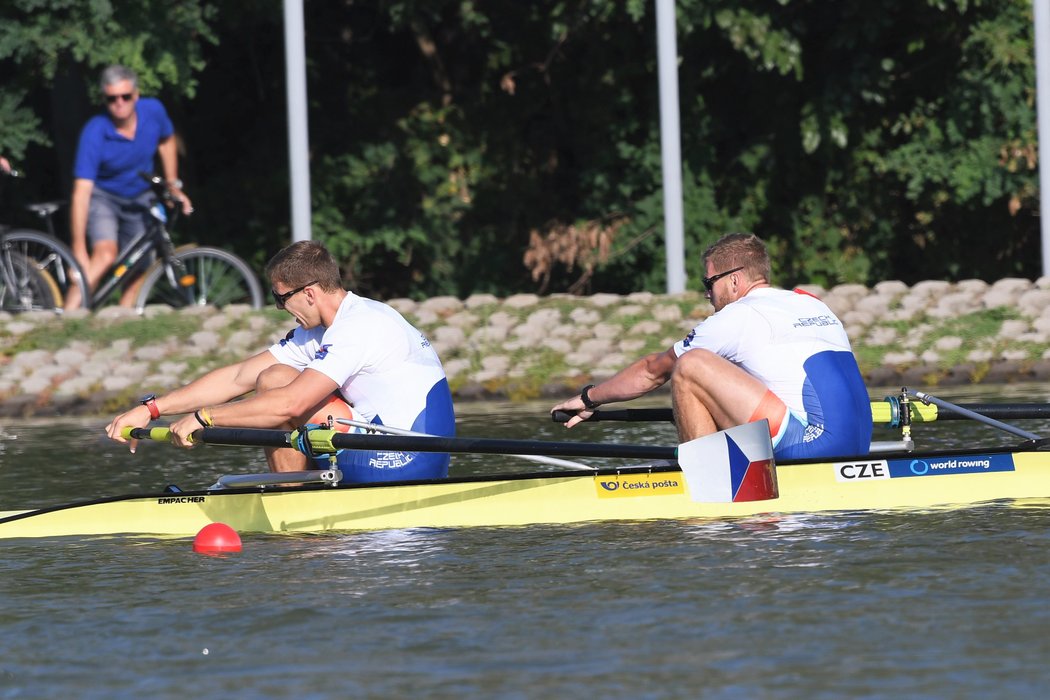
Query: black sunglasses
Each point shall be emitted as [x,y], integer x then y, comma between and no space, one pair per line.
[280,299]
[710,281]
[126,97]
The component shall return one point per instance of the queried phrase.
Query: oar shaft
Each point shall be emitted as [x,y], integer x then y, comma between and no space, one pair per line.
[880,412]
[408,443]
[973,415]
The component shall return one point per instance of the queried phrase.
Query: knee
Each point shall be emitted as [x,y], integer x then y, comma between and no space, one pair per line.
[275,376]
[695,366]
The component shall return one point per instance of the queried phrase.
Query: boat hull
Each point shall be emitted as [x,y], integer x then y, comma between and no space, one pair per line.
[905,481]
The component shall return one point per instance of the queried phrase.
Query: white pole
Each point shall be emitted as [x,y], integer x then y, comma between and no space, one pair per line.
[1041,13]
[298,136]
[670,145]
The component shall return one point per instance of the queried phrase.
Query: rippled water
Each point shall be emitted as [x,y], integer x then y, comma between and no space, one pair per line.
[917,604]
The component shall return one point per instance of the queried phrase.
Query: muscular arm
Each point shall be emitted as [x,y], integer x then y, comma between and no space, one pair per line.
[277,406]
[637,379]
[218,386]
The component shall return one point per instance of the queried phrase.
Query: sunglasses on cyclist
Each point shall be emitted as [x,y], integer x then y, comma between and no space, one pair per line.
[127,97]
[710,281]
[281,299]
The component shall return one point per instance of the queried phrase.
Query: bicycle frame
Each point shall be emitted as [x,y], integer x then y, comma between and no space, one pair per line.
[154,238]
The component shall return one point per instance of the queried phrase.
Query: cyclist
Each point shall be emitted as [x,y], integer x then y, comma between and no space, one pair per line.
[110,200]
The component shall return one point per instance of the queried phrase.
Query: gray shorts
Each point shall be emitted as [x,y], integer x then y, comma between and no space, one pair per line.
[113,218]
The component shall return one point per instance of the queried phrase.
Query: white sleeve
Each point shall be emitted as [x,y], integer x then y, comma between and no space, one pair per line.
[296,349]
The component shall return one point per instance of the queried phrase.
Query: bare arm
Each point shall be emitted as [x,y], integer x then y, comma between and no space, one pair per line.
[273,408]
[637,379]
[78,216]
[218,386]
[169,160]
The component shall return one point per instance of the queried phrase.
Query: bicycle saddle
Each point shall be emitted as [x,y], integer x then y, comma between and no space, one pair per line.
[45,208]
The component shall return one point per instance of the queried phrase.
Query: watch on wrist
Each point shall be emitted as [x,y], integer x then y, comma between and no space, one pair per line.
[591,405]
[175,184]
[150,402]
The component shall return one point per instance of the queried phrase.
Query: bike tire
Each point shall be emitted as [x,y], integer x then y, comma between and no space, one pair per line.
[24,287]
[213,277]
[52,257]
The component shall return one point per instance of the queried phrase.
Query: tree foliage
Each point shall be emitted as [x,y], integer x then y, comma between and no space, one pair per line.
[456,145]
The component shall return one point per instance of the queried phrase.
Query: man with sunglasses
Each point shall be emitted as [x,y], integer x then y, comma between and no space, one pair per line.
[110,200]
[348,356]
[765,353]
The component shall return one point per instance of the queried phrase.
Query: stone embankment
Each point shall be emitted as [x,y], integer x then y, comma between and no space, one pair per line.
[525,346]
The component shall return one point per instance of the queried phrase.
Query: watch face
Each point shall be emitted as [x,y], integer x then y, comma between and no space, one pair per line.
[149,397]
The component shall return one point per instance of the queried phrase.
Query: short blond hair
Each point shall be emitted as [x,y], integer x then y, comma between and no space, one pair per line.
[745,250]
[302,263]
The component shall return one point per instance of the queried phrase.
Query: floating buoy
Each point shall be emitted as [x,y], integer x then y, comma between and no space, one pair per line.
[215,538]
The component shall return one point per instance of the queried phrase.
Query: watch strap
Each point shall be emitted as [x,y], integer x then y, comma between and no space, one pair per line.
[585,397]
[150,402]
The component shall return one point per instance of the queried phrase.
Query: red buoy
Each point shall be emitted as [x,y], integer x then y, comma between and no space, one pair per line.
[215,538]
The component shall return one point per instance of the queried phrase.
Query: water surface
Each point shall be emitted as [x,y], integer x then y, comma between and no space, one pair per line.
[942,603]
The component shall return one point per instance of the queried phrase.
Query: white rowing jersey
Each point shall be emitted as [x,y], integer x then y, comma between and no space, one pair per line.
[795,345]
[385,367]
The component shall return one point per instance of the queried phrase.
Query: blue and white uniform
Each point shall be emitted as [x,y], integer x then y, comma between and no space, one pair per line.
[389,373]
[795,345]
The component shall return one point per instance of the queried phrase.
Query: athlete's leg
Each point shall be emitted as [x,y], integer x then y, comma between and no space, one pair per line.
[710,393]
[287,459]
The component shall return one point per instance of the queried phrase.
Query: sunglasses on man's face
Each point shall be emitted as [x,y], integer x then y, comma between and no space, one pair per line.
[710,281]
[127,97]
[280,299]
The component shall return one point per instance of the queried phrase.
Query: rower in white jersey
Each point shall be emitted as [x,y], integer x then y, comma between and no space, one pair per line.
[348,356]
[765,353]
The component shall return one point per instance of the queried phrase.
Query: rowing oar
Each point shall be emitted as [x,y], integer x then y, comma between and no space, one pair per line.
[881,412]
[390,430]
[327,441]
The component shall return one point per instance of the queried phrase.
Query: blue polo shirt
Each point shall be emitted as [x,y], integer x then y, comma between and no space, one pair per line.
[114,162]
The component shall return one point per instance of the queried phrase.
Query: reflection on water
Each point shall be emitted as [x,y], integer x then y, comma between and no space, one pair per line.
[919,604]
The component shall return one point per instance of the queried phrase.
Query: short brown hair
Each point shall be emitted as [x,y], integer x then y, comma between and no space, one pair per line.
[744,250]
[304,262]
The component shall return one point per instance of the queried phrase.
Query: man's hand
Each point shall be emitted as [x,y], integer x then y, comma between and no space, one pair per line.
[576,407]
[182,199]
[183,429]
[137,417]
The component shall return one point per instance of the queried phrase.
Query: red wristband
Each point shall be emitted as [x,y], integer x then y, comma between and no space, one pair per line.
[150,402]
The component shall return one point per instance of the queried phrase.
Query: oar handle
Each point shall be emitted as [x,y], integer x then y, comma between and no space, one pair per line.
[156,434]
[630,415]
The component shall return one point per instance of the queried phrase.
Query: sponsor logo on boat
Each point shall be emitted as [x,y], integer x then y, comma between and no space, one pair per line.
[629,485]
[963,464]
[929,466]
[862,471]
[167,500]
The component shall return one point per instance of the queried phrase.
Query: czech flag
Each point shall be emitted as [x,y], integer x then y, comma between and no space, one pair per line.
[731,465]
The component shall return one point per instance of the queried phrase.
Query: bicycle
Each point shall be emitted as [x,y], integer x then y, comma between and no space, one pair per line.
[189,275]
[30,271]
[23,287]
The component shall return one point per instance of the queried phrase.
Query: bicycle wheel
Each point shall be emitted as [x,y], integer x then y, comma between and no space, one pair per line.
[23,287]
[52,257]
[207,276]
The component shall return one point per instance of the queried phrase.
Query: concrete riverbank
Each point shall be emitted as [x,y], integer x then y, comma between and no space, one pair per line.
[524,346]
